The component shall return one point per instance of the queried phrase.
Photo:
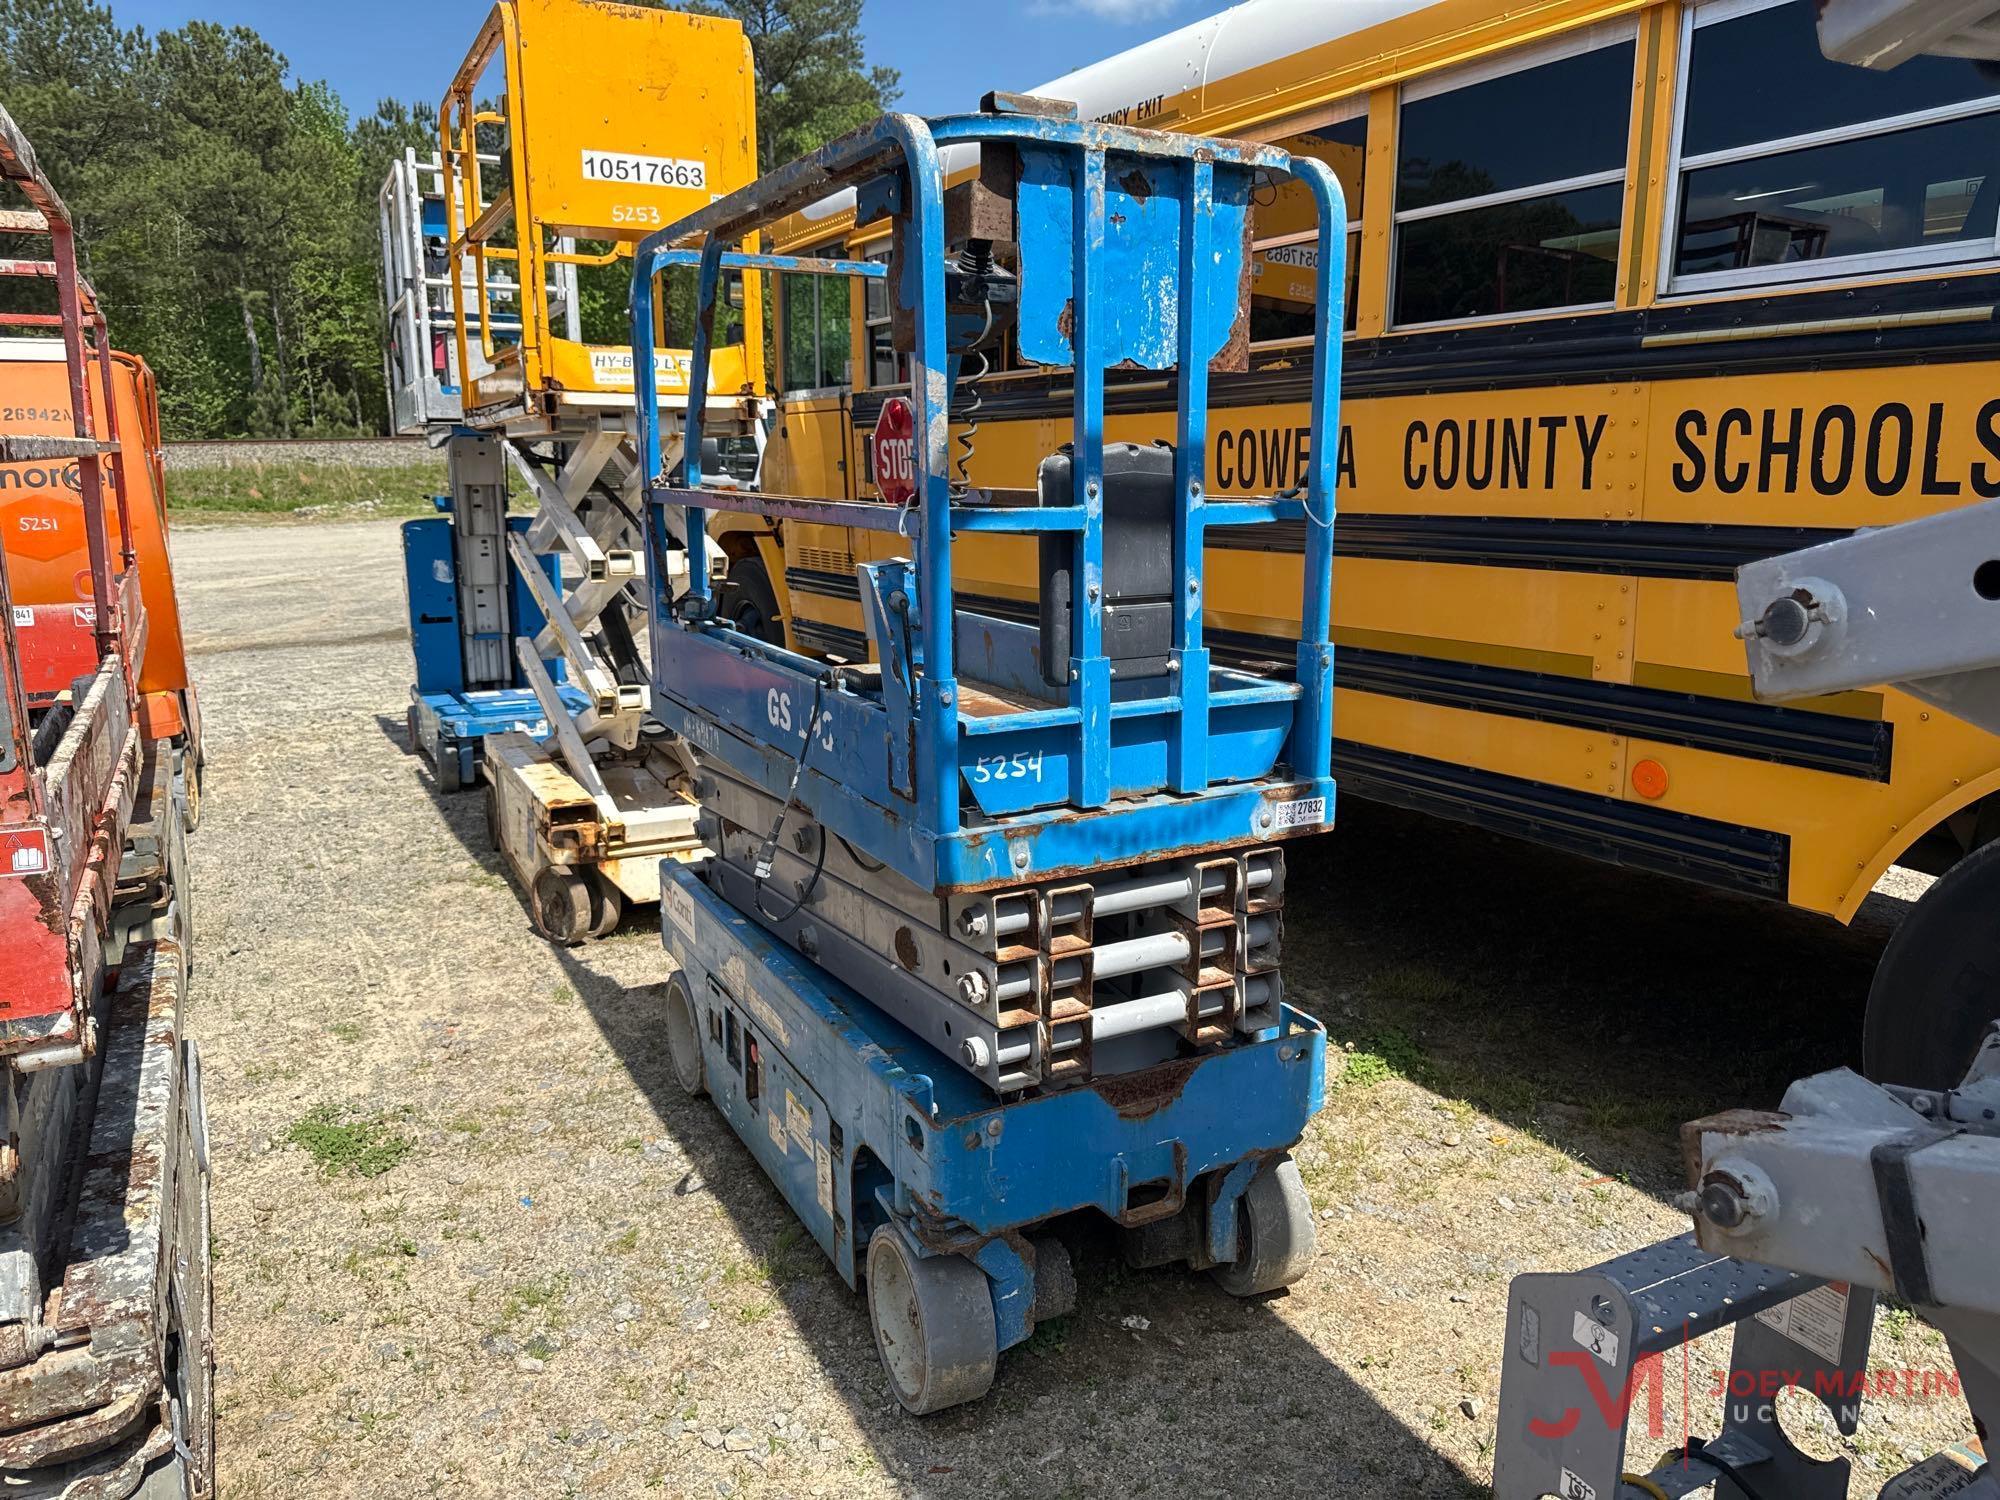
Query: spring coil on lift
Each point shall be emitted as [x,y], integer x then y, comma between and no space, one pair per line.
[976,259]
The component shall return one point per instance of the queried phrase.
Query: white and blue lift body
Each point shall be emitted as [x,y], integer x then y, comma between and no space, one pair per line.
[989,931]
[463,622]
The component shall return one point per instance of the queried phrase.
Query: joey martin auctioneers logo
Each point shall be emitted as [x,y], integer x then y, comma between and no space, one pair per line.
[1814,1321]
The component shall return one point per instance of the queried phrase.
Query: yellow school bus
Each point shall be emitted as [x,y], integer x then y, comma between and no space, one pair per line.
[1636,292]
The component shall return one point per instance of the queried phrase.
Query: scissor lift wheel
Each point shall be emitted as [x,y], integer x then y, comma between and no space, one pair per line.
[562,906]
[684,1038]
[1274,1244]
[933,1320]
[607,905]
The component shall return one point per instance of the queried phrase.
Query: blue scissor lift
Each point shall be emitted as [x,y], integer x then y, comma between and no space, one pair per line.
[990,932]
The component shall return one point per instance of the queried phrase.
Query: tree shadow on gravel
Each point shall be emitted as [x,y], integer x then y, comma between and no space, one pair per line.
[1595,1008]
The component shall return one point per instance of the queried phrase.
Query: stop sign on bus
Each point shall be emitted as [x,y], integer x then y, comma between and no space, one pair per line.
[895,451]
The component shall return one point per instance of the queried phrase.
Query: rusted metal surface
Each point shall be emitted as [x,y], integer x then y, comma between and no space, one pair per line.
[83,1362]
[103,1382]
[1739,1122]
[1137,1095]
[52,955]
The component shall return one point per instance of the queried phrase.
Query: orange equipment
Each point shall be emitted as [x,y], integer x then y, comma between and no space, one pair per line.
[41,518]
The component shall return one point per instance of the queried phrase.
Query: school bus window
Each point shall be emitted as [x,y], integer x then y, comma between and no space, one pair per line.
[885,365]
[1793,166]
[816,326]
[1284,272]
[1521,218]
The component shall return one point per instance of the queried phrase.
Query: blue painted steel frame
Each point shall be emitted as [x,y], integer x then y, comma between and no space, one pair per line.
[451,719]
[751,703]
[838,1077]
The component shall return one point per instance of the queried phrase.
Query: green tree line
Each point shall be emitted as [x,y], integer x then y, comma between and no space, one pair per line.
[227,208]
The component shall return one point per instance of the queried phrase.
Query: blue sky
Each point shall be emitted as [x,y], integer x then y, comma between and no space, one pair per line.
[949,51]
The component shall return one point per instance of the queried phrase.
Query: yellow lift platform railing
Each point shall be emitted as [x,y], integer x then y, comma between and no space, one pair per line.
[611,121]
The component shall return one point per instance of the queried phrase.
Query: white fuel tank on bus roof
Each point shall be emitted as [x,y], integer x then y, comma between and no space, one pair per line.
[1205,52]
[1883,33]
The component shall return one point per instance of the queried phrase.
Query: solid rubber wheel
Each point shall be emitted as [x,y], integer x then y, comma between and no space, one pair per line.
[933,1320]
[449,779]
[749,602]
[1937,985]
[562,907]
[1055,1278]
[684,1039]
[607,906]
[1274,1234]
[194,769]
[493,816]
[410,725]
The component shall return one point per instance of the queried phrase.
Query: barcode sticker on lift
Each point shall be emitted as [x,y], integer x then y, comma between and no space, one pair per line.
[644,171]
[1302,812]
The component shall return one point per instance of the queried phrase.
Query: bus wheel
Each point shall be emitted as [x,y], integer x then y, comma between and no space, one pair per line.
[1938,984]
[750,604]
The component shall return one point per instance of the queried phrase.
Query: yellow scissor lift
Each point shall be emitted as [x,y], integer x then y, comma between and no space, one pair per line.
[573,129]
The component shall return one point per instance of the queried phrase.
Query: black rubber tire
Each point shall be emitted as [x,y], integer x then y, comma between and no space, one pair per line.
[934,1324]
[1937,986]
[492,800]
[448,778]
[684,1039]
[750,604]
[192,780]
[607,906]
[562,907]
[1274,1244]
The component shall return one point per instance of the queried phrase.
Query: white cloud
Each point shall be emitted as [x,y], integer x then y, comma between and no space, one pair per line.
[1107,10]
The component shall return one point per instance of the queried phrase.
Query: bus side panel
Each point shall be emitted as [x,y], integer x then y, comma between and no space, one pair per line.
[806,454]
[1825,448]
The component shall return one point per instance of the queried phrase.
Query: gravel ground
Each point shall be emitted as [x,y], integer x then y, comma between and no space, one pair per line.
[366,453]
[471,1240]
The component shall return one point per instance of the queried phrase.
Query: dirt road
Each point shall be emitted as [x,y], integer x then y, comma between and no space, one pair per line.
[471,1241]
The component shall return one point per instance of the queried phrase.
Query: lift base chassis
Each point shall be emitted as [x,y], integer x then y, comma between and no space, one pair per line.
[864,1127]
[450,729]
[579,868]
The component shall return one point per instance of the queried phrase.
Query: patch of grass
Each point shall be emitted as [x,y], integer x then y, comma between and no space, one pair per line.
[345,1031]
[624,1244]
[1391,1054]
[294,491]
[1415,984]
[1049,1337]
[542,1293]
[356,1148]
